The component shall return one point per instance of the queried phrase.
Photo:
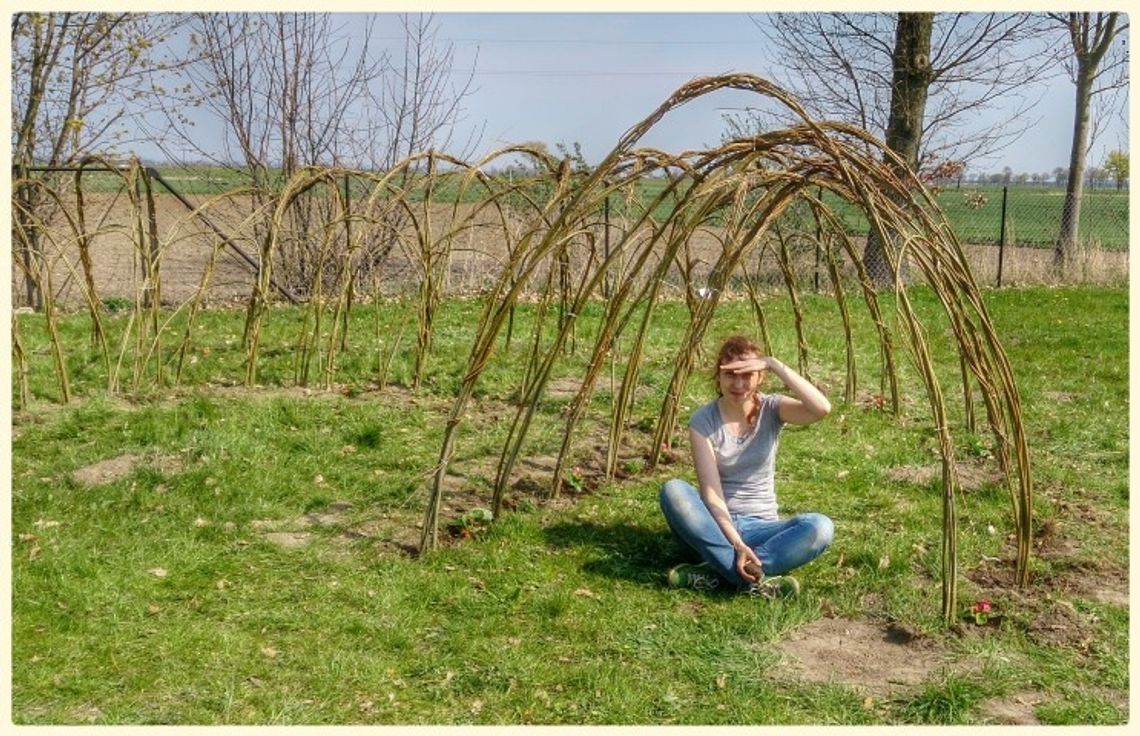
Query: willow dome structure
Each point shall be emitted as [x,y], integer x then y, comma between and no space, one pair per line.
[751,195]
[750,184]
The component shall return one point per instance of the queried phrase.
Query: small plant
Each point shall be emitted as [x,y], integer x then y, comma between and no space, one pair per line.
[575,480]
[471,523]
[116,303]
[634,466]
[980,612]
[876,402]
[316,502]
[977,447]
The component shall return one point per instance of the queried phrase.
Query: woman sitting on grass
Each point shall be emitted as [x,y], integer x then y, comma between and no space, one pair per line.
[731,521]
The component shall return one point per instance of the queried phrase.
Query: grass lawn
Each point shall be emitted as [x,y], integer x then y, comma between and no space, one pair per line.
[211,554]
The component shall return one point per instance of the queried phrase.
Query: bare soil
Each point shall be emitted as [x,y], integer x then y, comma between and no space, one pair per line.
[1013,710]
[187,245]
[971,475]
[117,468]
[876,660]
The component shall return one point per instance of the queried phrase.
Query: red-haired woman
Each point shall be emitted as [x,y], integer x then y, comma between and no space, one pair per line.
[731,519]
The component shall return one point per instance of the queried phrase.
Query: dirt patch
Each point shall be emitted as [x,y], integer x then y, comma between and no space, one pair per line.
[395,532]
[564,388]
[331,515]
[691,608]
[292,533]
[971,476]
[1061,624]
[1015,710]
[401,540]
[1111,589]
[1047,619]
[289,539]
[106,471]
[117,468]
[873,659]
[86,712]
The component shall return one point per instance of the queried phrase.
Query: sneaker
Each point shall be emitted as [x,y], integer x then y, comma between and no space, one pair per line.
[776,586]
[697,577]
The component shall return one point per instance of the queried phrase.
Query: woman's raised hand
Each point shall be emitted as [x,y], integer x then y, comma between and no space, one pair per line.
[749,365]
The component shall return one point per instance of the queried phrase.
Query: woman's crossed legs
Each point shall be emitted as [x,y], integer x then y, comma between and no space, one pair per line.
[781,545]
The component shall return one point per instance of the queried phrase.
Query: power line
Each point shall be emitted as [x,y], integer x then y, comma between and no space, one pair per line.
[586,41]
[570,73]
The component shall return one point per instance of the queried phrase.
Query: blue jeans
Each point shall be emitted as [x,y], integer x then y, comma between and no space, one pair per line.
[781,545]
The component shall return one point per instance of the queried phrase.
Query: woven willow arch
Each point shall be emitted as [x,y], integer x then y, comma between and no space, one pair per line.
[746,192]
[748,184]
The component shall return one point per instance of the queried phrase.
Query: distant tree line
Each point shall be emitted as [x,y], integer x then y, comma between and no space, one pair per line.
[1112,173]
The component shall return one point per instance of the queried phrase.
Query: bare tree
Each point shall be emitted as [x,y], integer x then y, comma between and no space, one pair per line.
[918,79]
[846,66]
[287,90]
[76,79]
[416,107]
[418,103]
[1097,66]
[282,89]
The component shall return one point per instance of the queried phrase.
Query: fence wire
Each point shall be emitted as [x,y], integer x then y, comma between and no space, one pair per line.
[207,224]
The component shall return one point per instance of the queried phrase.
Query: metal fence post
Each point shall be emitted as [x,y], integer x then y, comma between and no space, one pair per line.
[1001,243]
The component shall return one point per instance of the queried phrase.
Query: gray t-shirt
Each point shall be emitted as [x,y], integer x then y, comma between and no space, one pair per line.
[747,465]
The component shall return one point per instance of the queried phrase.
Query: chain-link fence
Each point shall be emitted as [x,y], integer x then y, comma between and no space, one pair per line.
[204,227]
[1012,233]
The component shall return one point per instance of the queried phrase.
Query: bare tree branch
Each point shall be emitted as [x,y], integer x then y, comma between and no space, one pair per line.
[839,64]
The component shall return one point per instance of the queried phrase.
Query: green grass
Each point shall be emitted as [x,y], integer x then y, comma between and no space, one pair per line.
[558,613]
[1033,215]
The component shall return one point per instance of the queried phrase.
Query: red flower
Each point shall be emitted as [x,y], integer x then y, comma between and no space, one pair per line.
[980,611]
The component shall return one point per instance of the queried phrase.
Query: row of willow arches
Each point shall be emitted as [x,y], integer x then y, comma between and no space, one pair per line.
[749,187]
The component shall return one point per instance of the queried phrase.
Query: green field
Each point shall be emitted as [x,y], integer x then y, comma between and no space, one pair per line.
[213,554]
[1033,214]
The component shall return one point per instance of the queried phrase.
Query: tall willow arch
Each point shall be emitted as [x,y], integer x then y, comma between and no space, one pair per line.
[748,184]
[756,196]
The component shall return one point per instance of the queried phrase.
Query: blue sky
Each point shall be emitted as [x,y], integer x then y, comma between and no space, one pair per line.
[589,77]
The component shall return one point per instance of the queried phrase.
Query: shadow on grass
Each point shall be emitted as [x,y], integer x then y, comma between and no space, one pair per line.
[638,554]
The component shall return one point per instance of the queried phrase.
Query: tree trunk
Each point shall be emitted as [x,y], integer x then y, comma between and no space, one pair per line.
[910,83]
[1071,211]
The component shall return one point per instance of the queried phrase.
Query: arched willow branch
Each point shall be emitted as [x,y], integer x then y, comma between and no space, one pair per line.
[751,196]
[743,188]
